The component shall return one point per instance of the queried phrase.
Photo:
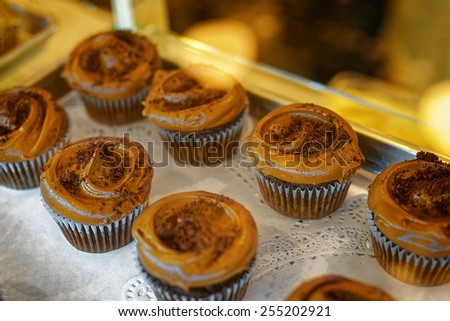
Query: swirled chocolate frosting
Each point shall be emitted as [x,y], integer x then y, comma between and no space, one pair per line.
[195,239]
[337,288]
[112,65]
[31,122]
[304,144]
[411,205]
[193,98]
[98,180]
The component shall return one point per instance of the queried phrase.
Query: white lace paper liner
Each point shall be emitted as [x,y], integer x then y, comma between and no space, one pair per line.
[300,201]
[26,174]
[192,148]
[407,266]
[116,111]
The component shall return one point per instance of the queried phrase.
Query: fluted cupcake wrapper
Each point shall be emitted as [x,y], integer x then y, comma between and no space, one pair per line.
[115,111]
[302,201]
[97,239]
[405,265]
[231,290]
[204,147]
[8,39]
[26,174]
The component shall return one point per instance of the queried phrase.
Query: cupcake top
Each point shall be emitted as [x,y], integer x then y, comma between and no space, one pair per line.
[304,144]
[193,98]
[411,205]
[31,122]
[195,239]
[337,288]
[98,180]
[112,65]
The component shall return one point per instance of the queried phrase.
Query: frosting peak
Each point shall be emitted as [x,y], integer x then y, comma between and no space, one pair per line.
[97,180]
[112,64]
[299,134]
[189,228]
[196,97]
[113,59]
[30,123]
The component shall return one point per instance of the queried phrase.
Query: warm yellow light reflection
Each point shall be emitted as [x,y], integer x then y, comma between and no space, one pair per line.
[228,35]
[434,110]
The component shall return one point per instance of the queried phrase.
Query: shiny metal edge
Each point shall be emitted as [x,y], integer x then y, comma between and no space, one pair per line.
[39,27]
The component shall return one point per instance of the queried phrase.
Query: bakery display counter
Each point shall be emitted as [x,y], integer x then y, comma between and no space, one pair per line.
[36,262]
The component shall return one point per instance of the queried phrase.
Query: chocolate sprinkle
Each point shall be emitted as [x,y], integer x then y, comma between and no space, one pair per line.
[302,135]
[426,191]
[70,181]
[188,228]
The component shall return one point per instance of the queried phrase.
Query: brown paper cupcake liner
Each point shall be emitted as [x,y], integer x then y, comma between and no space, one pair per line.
[26,174]
[302,201]
[231,290]
[407,266]
[204,147]
[97,239]
[117,111]
[8,39]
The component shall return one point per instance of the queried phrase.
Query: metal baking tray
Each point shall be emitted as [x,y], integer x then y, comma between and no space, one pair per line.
[34,29]
[290,250]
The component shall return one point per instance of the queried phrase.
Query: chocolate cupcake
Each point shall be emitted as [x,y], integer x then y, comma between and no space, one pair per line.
[199,110]
[196,246]
[337,288]
[9,26]
[409,219]
[32,128]
[95,188]
[305,157]
[112,71]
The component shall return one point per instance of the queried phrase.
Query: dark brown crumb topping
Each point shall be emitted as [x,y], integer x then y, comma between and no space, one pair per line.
[115,59]
[303,135]
[15,108]
[83,156]
[425,191]
[183,231]
[191,227]
[70,181]
[180,83]
[124,36]
[90,60]
[192,93]
[429,157]
[110,167]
